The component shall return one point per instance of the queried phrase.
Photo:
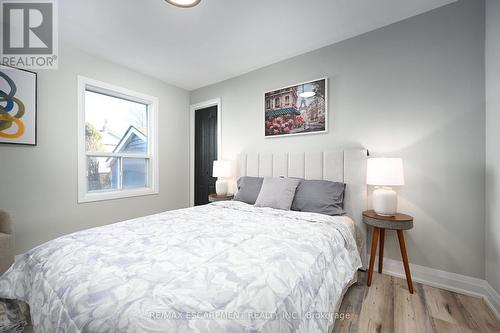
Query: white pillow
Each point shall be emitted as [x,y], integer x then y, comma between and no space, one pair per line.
[277,193]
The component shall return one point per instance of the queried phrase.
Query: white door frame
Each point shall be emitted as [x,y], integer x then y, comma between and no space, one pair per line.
[193,108]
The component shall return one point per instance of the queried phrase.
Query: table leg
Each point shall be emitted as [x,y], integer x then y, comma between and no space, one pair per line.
[381,251]
[372,256]
[402,245]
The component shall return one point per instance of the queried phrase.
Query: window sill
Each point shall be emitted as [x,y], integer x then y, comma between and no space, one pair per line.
[93,197]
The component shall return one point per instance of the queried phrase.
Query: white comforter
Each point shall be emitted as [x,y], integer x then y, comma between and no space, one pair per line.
[225,267]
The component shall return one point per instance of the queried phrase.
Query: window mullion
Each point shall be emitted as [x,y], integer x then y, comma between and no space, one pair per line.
[117,155]
[120,174]
[149,172]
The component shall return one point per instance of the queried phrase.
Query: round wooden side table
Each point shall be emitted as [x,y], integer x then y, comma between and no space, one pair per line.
[215,197]
[398,222]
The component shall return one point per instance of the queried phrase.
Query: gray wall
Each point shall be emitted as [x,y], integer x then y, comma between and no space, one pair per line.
[39,184]
[492,142]
[414,89]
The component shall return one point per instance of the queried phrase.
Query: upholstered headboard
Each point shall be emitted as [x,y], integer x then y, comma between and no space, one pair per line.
[347,166]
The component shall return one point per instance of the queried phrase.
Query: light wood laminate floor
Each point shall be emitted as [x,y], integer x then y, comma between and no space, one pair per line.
[387,306]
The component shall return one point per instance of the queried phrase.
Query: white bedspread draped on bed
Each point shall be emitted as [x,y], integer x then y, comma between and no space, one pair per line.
[224,267]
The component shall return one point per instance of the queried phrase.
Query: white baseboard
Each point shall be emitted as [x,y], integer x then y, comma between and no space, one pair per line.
[492,299]
[458,283]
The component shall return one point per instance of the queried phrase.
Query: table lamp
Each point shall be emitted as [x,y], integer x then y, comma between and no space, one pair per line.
[384,173]
[221,170]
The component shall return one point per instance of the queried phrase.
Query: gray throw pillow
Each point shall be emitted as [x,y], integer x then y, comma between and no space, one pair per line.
[248,189]
[320,196]
[277,193]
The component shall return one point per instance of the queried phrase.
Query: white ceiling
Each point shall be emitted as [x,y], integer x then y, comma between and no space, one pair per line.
[220,39]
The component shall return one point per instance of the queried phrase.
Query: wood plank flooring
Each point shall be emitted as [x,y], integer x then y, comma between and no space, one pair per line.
[387,306]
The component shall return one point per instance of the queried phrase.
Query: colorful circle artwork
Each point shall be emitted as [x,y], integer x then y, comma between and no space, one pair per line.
[11,111]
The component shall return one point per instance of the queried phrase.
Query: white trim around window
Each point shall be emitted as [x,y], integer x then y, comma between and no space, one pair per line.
[152,156]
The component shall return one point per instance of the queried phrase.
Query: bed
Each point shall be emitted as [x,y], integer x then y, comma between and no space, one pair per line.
[222,267]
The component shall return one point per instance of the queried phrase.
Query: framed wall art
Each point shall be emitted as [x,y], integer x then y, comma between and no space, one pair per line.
[296,110]
[18,94]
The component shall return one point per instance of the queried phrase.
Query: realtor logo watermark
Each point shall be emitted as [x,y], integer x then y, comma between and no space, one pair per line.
[29,34]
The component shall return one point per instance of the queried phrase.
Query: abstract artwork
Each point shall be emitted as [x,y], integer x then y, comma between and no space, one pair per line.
[17,106]
[298,109]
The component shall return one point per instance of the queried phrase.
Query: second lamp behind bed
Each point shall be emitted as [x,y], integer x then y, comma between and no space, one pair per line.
[221,170]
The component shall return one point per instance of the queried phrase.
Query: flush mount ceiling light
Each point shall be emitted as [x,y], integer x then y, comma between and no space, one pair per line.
[183,3]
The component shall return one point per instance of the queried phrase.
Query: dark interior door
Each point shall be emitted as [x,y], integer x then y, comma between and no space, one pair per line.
[205,130]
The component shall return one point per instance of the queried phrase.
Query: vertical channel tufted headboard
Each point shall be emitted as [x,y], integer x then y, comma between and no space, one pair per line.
[347,166]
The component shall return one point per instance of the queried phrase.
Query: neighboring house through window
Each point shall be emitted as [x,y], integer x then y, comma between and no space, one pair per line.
[117,142]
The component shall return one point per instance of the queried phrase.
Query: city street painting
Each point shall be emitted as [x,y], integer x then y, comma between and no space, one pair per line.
[297,109]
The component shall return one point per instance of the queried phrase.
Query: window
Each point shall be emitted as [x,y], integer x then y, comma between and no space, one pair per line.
[287,100]
[277,102]
[117,142]
[268,103]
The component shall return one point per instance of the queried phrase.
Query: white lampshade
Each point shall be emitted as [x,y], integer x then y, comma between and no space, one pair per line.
[222,169]
[385,172]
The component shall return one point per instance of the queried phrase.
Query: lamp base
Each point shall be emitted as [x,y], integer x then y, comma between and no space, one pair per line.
[385,201]
[221,187]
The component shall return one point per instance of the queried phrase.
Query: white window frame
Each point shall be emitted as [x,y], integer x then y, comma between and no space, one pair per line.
[84,84]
